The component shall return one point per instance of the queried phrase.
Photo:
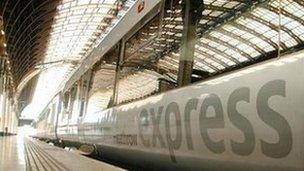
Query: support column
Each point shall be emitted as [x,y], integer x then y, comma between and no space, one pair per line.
[2,95]
[7,90]
[11,115]
[7,116]
[3,112]
[85,96]
[78,97]
[75,103]
[119,62]
[192,13]
[2,62]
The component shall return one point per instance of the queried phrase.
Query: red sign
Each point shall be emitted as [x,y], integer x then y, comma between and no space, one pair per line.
[141,7]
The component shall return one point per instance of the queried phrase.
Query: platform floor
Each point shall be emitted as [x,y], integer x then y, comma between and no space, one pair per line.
[22,153]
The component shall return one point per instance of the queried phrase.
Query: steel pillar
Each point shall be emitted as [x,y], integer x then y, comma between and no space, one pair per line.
[3,111]
[119,62]
[7,116]
[2,73]
[192,13]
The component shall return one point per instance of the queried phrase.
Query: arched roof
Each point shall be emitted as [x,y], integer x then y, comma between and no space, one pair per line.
[27,25]
[41,34]
[231,34]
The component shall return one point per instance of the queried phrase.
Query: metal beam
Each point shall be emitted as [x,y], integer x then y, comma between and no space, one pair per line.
[241,39]
[300,2]
[274,27]
[205,29]
[192,11]
[284,12]
[221,53]
[255,33]
[212,58]
[11,13]
[27,47]
[217,8]
[207,64]
[120,58]
[248,4]
[19,15]
[229,46]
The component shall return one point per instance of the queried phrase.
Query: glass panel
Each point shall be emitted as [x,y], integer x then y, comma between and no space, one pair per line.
[229,35]
[78,26]
[100,94]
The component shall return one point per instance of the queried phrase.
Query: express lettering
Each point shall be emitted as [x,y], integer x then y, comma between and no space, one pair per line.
[173,119]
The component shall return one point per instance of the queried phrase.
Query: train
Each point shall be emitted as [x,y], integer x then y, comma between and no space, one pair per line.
[249,119]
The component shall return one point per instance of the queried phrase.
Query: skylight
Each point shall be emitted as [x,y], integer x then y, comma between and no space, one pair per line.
[77,25]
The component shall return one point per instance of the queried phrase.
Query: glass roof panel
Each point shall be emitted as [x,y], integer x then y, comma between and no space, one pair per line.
[77,25]
[290,6]
[229,37]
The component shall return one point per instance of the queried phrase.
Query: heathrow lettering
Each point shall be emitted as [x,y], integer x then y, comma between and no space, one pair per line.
[126,139]
[151,119]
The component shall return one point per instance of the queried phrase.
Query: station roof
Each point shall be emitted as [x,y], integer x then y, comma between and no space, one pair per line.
[26,26]
[53,35]
[231,34]
[56,34]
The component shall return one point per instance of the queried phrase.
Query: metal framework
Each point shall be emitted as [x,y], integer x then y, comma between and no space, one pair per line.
[8,117]
[53,30]
[232,34]
[26,23]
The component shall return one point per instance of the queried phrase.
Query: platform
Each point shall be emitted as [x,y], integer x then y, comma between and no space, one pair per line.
[23,153]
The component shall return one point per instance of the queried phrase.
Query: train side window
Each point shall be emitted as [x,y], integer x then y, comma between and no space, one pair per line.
[84,91]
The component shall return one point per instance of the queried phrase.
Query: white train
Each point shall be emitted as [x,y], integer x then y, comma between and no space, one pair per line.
[251,119]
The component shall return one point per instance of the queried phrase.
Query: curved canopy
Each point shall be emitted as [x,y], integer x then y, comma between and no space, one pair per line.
[53,35]
[232,34]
